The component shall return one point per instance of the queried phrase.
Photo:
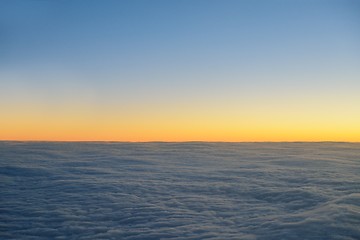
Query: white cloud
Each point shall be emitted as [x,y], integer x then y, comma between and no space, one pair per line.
[179,191]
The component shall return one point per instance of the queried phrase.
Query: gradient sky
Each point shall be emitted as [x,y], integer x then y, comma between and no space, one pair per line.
[180,70]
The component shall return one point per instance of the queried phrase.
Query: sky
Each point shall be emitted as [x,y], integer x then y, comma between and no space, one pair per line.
[180,70]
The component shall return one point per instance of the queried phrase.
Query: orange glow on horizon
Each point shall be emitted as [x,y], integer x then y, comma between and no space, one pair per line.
[187,122]
[89,128]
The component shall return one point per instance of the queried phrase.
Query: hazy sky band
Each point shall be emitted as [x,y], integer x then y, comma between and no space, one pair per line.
[180,70]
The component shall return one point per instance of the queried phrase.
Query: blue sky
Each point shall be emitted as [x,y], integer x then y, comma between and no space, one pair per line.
[239,35]
[127,52]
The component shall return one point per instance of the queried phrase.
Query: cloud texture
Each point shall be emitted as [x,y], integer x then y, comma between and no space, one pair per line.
[179,191]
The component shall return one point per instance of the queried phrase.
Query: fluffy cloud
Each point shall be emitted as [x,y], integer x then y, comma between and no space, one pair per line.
[179,190]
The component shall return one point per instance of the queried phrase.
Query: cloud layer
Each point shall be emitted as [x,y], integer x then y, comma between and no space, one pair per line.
[179,190]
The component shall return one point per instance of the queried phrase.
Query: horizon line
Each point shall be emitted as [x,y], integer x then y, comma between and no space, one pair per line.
[188,141]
